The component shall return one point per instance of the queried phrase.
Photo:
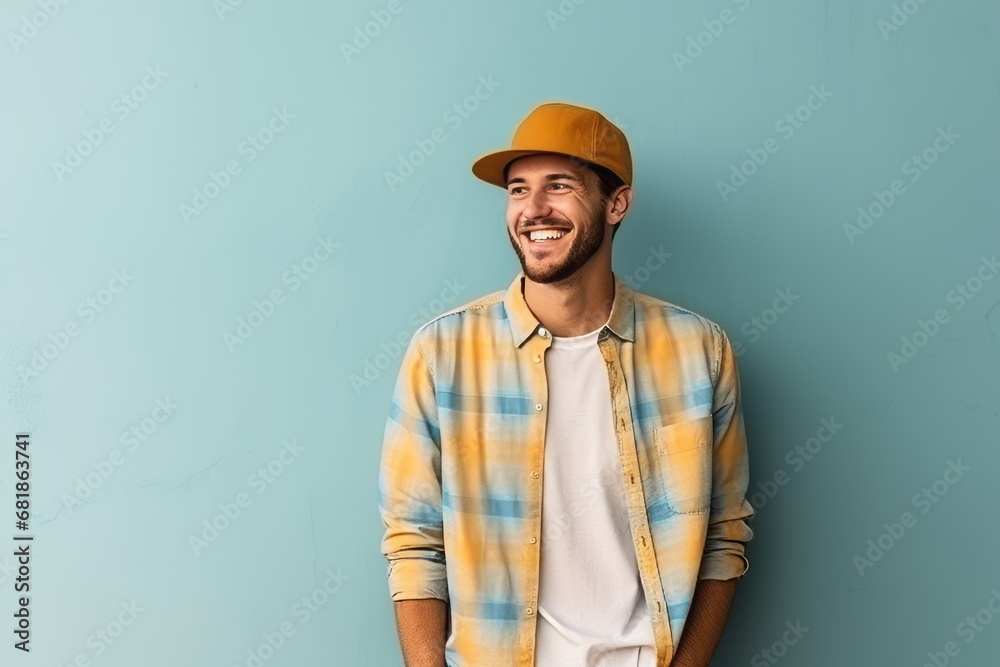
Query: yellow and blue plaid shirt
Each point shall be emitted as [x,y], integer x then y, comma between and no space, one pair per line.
[460,477]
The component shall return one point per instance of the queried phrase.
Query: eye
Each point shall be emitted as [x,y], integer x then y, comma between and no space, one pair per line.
[514,190]
[561,185]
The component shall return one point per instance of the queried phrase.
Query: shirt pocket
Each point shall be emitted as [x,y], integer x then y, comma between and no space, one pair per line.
[684,449]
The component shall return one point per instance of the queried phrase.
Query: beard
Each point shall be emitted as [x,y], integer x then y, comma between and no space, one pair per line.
[587,239]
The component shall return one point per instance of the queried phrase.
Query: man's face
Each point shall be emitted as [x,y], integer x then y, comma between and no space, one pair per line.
[554,194]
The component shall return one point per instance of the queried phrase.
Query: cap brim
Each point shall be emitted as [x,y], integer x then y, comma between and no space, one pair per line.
[490,167]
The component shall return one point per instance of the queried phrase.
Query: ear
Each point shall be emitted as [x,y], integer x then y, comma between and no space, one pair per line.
[619,204]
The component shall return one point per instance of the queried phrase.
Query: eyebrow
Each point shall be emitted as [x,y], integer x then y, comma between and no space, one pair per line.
[550,177]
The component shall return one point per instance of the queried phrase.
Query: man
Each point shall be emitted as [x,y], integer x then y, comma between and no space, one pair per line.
[564,467]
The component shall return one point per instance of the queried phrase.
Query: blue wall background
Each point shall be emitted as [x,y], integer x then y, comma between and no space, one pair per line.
[128,298]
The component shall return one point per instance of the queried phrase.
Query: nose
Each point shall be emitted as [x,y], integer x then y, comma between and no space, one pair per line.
[536,205]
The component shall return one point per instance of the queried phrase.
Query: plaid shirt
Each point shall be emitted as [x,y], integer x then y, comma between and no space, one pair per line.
[460,477]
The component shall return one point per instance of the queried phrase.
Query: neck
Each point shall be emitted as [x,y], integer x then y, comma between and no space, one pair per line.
[575,306]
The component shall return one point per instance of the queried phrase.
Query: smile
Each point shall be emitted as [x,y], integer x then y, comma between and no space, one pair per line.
[545,235]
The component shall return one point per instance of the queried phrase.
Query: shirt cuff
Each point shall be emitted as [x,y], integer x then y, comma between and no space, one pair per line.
[417,579]
[723,565]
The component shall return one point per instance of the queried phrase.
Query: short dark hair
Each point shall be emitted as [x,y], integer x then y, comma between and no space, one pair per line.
[607,181]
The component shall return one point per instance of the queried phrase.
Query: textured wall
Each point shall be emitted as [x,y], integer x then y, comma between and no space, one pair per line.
[219,221]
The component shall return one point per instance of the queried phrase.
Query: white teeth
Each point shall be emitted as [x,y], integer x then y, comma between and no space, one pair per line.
[546,234]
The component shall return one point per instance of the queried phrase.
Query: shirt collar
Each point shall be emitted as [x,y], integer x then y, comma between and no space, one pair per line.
[523,322]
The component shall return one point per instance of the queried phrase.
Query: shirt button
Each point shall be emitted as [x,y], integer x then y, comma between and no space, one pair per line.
[534,474]
[533,540]
[543,332]
[538,359]
[538,407]
[529,611]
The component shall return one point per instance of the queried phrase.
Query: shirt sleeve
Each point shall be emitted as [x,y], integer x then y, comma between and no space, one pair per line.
[728,526]
[409,485]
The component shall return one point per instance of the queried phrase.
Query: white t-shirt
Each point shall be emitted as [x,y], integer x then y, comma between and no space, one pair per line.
[591,606]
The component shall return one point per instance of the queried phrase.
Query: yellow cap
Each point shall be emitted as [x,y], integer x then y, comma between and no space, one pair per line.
[566,129]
